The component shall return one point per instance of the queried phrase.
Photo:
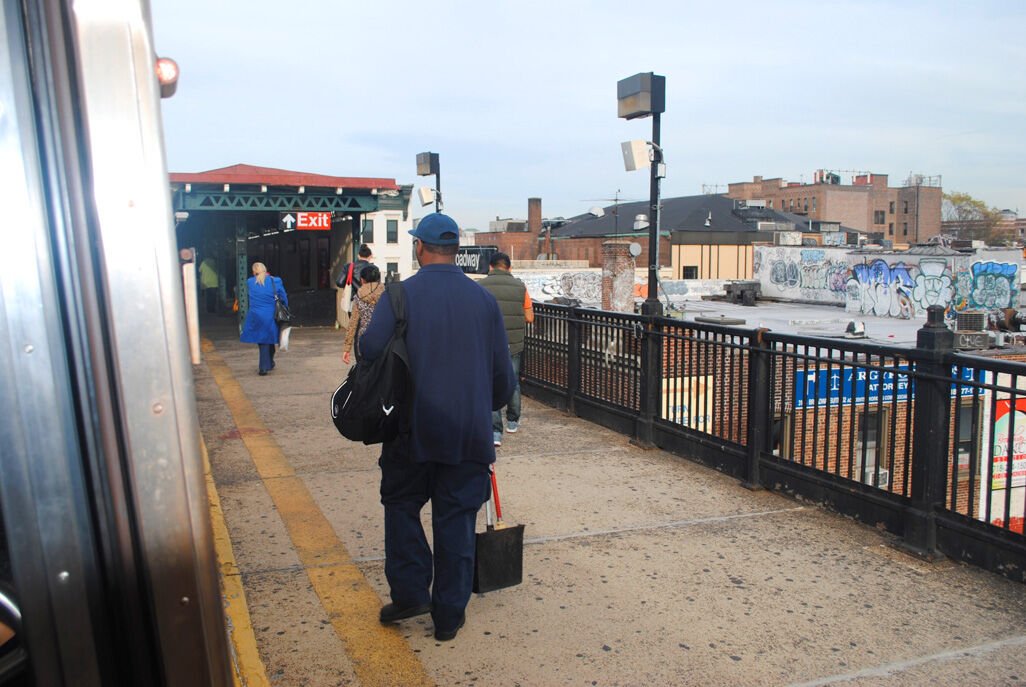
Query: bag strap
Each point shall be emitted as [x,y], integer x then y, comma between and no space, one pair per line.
[398,300]
[349,279]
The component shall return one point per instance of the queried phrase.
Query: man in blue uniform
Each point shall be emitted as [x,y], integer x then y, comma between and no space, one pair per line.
[461,372]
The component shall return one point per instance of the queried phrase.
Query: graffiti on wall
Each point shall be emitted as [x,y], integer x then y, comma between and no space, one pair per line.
[932,286]
[880,289]
[986,286]
[886,285]
[584,286]
[812,272]
[805,274]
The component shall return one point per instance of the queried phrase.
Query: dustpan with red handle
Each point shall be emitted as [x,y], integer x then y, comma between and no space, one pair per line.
[499,551]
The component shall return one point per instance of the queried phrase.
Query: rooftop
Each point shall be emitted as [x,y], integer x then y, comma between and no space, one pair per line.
[249,174]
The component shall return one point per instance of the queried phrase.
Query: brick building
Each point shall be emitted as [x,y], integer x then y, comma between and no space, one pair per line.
[909,213]
[519,239]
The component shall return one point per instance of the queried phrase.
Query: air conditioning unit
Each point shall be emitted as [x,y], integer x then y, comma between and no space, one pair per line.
[881,479]
[971,321]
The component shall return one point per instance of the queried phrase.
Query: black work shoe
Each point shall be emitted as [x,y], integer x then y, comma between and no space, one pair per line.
[391,613]
[262,373]
[448,635]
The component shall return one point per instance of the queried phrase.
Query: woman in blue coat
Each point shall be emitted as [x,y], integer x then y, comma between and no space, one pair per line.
[260,327]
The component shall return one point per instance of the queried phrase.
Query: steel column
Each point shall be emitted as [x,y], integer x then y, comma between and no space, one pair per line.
[759,390]
[651,381]
[573,359]
[241,268]
[930,435]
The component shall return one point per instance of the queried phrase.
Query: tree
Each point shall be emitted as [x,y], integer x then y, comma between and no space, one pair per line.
[970,219]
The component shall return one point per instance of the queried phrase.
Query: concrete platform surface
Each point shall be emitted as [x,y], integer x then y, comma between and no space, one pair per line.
[640,567]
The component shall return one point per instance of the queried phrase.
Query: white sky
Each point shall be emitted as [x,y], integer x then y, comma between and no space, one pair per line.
[519,98]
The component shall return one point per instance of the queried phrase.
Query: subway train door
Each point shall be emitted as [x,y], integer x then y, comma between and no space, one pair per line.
[107,572]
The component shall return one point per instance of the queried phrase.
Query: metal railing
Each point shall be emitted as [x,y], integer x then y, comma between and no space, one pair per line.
[927,442]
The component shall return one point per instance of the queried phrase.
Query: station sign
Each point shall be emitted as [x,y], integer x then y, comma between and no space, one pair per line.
[304,221]
[475,259]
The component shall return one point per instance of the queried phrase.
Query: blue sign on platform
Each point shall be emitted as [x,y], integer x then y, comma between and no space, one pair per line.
[842,387]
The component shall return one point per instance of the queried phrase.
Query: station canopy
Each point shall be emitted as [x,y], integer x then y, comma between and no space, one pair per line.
[246,187]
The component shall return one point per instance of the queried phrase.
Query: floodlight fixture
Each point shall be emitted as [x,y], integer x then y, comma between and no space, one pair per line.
[426,195]
[640,95]
[427,164]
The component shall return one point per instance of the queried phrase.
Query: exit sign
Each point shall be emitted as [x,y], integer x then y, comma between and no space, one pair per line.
[307,221]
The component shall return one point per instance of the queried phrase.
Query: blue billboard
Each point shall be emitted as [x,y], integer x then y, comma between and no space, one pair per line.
[858,385]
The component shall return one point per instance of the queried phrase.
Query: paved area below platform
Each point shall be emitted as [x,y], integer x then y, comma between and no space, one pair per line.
[640,567]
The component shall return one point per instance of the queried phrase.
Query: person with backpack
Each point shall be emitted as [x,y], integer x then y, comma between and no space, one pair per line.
[357,270]
[366,298]
[460,370]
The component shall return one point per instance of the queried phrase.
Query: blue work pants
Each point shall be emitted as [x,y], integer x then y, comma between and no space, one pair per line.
[456,493]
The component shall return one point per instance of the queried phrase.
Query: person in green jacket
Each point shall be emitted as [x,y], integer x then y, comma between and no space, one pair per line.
[517,310]
[209,282]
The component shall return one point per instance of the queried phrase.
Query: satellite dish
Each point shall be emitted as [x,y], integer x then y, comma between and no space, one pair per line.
[634,249]
[597,211]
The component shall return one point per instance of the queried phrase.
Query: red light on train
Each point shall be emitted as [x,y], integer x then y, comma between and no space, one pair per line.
[167,76]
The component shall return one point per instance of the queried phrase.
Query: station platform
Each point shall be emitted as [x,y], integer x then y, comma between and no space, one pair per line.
[640,567]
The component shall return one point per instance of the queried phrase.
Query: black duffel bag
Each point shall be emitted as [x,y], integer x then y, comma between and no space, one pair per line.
[369,406]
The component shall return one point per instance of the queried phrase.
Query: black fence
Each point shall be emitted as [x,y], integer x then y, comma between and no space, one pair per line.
[927,442]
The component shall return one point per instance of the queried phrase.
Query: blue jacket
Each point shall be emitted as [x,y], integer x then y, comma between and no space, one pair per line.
[260,327]
[459,359]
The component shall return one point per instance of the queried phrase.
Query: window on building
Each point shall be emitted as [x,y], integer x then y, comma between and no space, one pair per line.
[769,204]
[814,203]
[690,272]
[806,204]
[391,272]
[906,207]
[892,207]
[790,205]
[871,448]
[392,231]
[368,231]
[878,217]
[904,228]
[890,229]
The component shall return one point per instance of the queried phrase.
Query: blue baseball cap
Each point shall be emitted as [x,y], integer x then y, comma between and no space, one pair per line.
[437,229]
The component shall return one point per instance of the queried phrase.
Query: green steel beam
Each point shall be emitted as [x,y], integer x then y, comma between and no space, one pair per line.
[242,268]
[203,200]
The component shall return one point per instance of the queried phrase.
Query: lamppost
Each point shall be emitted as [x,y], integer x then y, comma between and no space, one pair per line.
[638,96]
[427,164]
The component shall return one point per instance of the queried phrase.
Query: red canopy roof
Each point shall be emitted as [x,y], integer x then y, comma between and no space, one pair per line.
[248,174]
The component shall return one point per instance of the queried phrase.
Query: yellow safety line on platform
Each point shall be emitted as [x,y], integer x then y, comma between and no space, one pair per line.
[379,654]
[249,669]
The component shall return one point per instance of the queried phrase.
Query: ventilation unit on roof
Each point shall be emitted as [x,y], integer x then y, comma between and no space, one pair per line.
[971,321]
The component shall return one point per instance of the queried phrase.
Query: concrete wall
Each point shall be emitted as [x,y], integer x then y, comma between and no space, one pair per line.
[890,284]
[586,286]
[798,273]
